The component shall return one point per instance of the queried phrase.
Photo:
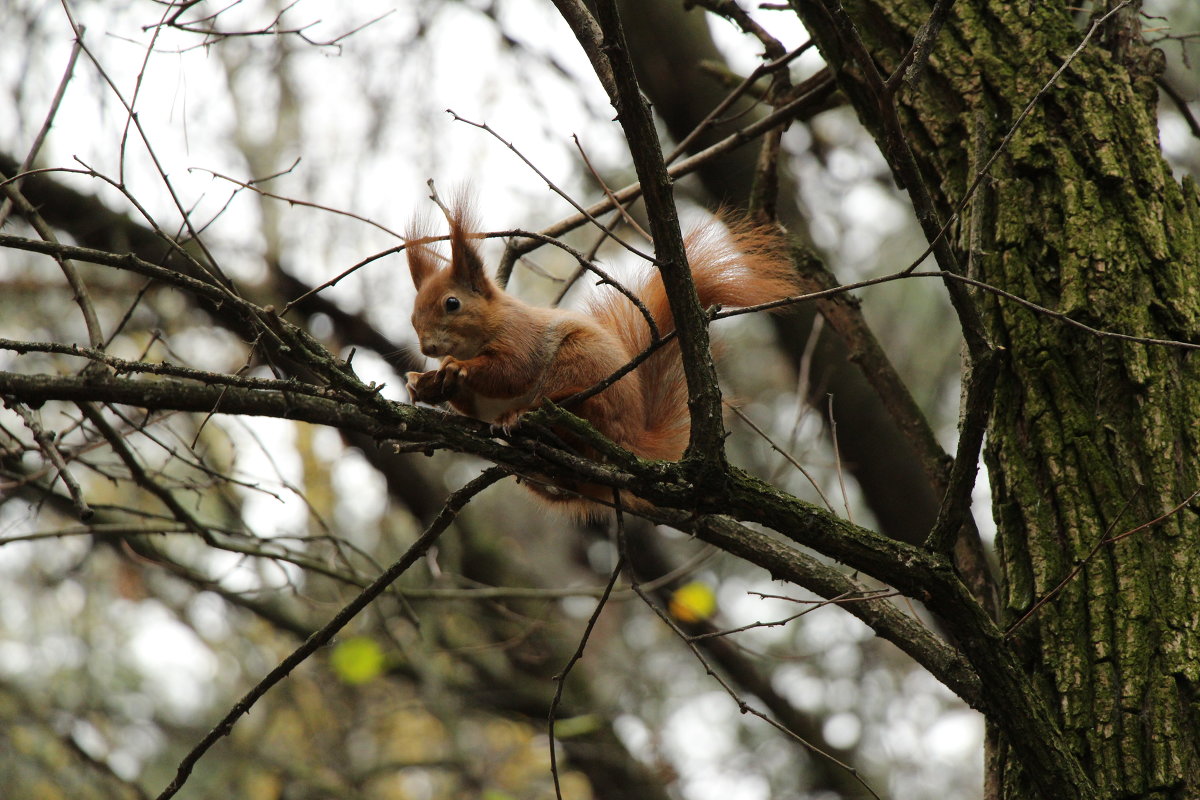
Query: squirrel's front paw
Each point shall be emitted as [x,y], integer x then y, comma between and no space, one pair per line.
[453,372]
[427,387]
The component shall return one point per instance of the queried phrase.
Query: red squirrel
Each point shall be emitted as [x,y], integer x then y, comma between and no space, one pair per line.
[501,357]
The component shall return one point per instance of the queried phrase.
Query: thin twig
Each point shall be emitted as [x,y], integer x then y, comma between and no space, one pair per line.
[319,638]
[209,290]
[45,442]
[844,314]
[593,251]
[813,605]
[292,201]
[142,478]
[743,706]
[895,276]
[1181,105]
[47,123]
[802,392]
[204,26]
[561,678]
[737,92]
[894,144]
[133,98]
[78,288]
[837,459]
[212,268]
[790,458]
[781,116]
[914,60]
[483,126]
[622,211]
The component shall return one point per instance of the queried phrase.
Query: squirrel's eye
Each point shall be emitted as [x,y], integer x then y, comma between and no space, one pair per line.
[453,304]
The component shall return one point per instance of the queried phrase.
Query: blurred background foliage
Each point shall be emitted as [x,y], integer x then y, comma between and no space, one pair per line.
[120,649]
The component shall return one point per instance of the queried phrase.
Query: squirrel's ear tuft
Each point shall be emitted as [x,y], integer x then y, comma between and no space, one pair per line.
[422,260]
[465,262]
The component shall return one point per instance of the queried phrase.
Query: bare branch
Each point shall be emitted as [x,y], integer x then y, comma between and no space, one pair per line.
[45,442]
[40,138]
[706,447]
[318,639]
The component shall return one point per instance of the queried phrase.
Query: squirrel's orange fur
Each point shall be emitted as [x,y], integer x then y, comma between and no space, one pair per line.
[501,357]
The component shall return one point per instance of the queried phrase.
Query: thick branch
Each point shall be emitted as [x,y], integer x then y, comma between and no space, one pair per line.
[786,563]
[912,570]
[1010,700]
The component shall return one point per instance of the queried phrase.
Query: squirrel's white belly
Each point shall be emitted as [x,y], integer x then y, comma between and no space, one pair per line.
[498,409]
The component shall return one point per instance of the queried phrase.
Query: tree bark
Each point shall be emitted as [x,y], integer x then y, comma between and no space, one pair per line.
[1091,436]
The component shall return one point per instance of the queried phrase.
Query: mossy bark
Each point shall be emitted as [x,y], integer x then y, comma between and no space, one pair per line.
[1091,436]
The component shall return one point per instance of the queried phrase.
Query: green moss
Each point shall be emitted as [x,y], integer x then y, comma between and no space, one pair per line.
[1090,436]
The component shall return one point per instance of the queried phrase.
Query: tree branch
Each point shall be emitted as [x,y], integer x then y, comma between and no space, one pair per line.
[706,447]
[831,24]
[318,639]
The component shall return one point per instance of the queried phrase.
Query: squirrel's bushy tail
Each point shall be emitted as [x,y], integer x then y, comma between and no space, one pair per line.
[734,264]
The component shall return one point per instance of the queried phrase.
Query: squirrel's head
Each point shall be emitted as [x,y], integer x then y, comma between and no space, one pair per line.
[454,313]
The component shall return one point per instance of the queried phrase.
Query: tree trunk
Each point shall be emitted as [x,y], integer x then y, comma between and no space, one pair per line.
[1091,436]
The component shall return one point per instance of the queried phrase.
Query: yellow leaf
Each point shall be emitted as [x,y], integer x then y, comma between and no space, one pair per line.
[496,794]
[693,602]
[576,726]
[357,660]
